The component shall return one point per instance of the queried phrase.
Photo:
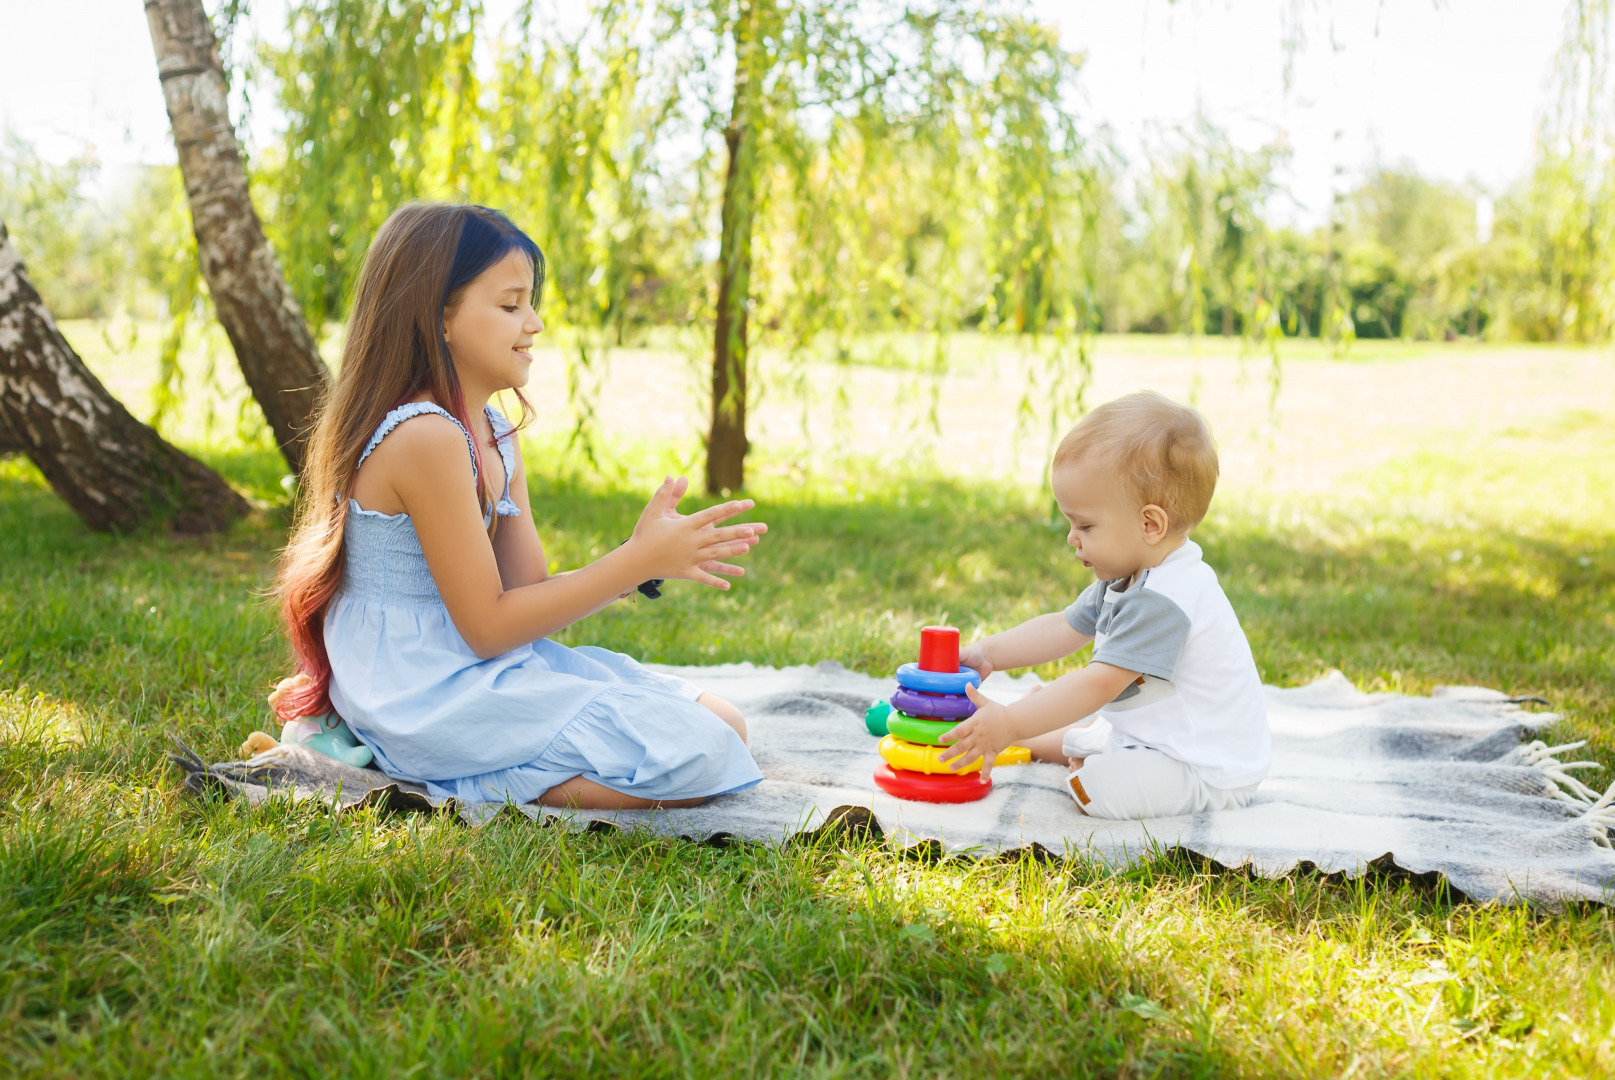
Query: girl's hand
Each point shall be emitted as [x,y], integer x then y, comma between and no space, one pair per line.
[692,547]
[975,656]
[983,735]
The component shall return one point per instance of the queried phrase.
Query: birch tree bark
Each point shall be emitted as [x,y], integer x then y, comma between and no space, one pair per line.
[255,306]
[113,471]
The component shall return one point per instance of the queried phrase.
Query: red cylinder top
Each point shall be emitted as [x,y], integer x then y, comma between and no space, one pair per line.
[939,649]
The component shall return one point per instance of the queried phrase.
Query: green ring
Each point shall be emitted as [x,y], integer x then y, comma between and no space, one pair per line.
[916,730]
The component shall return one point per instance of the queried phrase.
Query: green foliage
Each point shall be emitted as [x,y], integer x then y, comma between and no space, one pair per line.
[912,166]
[379,99]
[162,257]
[131,254]
[55,228]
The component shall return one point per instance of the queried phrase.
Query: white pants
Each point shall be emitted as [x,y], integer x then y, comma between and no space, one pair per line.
[1126,784]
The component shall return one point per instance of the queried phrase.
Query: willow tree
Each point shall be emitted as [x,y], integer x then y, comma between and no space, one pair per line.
[940,121]
[381,102]
[1561,219]
[574,130]
[385,103]
[839,156]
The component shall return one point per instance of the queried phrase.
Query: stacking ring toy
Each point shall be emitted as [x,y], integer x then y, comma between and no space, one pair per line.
[921,787]
[915,677]
[928,759]
[917,729]
[954,706]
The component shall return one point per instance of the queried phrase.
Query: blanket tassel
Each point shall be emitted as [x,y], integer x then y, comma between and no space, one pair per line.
[1600,817]
[1561,785]
[1597,809]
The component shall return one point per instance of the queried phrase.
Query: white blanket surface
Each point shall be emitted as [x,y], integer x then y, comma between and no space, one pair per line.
[1454,784]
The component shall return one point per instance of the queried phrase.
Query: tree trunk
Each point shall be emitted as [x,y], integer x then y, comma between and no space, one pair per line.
[726,441]
[255,306]
[115,472]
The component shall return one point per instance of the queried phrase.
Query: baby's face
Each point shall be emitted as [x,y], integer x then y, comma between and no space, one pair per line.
[1107,522]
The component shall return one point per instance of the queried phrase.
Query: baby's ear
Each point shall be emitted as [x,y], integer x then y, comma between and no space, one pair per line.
[1157,523]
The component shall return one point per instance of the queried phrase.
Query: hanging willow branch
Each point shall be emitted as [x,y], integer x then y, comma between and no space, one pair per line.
[884,165]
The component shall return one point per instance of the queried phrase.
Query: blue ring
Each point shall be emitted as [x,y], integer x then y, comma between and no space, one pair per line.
[937,682]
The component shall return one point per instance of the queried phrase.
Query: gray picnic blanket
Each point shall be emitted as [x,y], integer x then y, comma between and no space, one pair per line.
[1455,784]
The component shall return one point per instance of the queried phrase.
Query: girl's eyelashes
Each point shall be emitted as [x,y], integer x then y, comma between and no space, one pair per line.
[511,308]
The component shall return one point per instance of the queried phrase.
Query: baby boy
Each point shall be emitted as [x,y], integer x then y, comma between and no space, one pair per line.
[1168,717]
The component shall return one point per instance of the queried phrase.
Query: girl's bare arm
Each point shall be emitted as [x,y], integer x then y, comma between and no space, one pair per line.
[427,471]
[517,546]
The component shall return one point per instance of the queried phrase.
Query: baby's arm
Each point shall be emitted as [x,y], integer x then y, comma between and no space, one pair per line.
[1067,699]
[1036,641]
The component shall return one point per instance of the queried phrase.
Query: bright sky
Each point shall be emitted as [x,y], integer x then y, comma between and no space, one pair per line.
[1453,86]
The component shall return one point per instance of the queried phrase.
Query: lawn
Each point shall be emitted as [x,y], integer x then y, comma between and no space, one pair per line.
[144,933]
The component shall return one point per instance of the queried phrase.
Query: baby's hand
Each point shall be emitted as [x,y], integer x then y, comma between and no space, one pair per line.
[693,547]
[975,656]
[982,736]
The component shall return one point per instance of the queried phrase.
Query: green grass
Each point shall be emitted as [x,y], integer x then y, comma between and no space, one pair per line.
[145,933]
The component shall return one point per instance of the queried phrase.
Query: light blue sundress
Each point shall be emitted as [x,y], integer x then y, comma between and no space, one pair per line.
[512,727]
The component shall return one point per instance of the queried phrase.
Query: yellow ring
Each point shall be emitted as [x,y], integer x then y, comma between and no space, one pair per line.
[928,759]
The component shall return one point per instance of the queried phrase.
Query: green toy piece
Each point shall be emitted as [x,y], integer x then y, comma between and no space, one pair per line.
[916,729]
[333,738]
[875,718]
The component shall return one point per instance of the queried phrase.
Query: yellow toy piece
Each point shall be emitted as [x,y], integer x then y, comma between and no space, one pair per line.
[928,759]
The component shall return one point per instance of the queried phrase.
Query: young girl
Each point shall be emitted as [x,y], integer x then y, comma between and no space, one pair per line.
[415,589]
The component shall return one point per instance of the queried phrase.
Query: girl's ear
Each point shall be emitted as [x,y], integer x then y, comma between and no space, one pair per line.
[1156,524]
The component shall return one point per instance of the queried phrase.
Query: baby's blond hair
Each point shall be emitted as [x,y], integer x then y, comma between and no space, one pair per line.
[1161,450]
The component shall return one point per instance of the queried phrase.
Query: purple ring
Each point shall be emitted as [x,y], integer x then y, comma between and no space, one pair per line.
[947,706]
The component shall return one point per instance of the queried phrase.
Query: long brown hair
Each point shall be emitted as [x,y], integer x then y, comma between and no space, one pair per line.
[418,267]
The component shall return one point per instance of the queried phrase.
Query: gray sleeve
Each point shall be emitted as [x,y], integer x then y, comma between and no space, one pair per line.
[1146,634]
[1083,615]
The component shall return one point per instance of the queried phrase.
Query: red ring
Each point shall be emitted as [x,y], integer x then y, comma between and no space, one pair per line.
[921,787]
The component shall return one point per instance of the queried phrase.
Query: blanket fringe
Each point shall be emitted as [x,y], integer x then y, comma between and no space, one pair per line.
[1561,785]
[1600,818]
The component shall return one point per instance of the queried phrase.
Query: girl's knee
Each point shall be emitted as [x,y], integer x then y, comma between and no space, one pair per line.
[726,712]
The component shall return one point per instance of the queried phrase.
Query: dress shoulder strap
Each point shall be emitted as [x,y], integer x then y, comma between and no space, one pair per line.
[409,412]
[502,429]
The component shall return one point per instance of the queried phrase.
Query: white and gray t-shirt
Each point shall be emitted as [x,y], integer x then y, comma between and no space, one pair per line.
[1199,698]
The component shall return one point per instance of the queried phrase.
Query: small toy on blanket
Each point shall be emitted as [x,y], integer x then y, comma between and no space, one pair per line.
[930,700]
[328,735]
